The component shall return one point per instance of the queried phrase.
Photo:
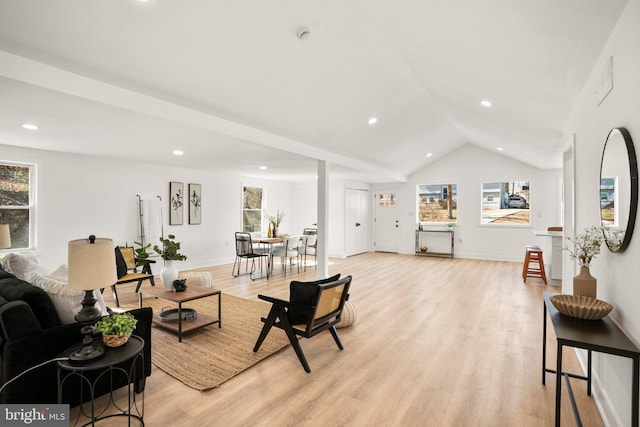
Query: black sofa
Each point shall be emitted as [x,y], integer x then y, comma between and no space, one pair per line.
[31,333]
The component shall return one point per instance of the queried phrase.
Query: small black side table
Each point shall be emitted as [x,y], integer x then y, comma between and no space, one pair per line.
[132,350]
[602,336]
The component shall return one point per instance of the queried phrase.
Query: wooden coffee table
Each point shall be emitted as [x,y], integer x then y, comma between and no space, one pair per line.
[190,294]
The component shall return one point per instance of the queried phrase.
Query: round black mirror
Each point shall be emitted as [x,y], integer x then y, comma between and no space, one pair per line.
[618,189]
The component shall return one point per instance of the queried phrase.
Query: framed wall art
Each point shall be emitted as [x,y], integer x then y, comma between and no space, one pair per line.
[195,203]
[176,202]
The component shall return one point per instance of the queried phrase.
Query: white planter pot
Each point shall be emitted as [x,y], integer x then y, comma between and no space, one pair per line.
[168,274]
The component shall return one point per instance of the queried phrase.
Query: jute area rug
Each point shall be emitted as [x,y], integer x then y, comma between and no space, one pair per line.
[209,356]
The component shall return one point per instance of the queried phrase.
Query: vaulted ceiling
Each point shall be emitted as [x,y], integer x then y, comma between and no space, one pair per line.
[231,84]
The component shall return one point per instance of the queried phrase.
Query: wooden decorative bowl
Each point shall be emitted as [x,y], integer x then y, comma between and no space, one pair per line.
[581,307]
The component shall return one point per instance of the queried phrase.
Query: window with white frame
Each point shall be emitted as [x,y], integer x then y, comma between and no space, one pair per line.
[17,202]
[252,208]
[437,203]
[506,203]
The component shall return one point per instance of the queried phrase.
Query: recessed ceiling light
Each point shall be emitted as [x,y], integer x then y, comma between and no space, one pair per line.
[373,120]
[30,126]
[485,103]
[500,148]
[178,152]
[429,154]
[263,168]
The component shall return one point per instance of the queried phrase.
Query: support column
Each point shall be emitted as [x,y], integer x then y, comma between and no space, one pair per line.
[323,213]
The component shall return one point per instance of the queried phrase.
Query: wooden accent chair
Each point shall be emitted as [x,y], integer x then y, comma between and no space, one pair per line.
[307,320]
[126,263]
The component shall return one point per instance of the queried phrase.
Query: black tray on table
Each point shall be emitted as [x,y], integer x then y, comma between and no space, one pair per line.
[171,315]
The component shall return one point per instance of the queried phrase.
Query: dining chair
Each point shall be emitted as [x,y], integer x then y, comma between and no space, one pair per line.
[244,249]
[288,250]
[308,247]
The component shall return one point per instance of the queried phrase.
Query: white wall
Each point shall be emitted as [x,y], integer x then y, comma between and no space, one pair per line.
[82,195]
[616,273]
[468,167]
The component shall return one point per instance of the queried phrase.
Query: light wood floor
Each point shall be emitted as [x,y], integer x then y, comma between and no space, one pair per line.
[437,342]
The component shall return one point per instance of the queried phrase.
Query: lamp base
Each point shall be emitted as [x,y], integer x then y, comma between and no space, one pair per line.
[88,352]
[84,356]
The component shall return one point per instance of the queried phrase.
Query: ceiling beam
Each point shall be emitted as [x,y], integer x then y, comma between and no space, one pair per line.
[42,75]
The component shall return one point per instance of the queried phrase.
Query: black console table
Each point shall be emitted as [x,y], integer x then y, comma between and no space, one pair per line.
[603,336]
[432,253]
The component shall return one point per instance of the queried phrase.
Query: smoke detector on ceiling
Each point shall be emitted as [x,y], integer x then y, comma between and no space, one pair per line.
[304,33]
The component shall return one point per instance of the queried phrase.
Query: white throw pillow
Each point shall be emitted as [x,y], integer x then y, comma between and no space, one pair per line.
[67,301]
[61,273]
[22,265]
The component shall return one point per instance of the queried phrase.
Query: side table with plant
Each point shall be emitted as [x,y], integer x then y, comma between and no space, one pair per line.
[116,328]
[169,252]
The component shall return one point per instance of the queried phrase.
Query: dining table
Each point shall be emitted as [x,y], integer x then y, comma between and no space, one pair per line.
[268,243]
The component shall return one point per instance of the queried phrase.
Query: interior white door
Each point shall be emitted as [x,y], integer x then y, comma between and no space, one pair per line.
[357,221]
[386,221]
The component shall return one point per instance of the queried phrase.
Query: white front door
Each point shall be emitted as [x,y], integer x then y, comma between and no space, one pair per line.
[386,221]
[357,221]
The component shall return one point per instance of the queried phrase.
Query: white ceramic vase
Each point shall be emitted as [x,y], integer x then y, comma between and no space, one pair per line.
[168,274]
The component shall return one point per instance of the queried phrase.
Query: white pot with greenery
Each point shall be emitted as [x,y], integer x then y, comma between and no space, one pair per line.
[169,253]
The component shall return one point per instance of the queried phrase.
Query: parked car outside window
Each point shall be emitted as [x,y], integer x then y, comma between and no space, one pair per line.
[517,202]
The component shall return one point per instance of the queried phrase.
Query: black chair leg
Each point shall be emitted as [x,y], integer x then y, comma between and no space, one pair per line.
[233,272]
[138,286]
[336,337]
[115,295]
[293,339]
[296,345]
[268,324]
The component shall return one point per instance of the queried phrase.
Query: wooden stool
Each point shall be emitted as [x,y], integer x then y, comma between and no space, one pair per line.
[533,254]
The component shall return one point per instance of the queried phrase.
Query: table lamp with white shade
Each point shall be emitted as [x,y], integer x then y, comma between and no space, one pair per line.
[92,265]
[5,236]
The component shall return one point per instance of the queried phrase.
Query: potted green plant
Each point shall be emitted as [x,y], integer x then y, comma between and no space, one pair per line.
[142,252]
[170,252]
[116,329]
[170,249]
